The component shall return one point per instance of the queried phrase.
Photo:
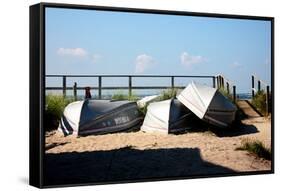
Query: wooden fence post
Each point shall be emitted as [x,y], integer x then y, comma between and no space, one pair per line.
[234,94]
[227,87]
[172,82]
[130,86]
[253,86]
[100,85]
[259,85]
[75,91]
[64,86]
[267,100]
[214,82]
[218,82]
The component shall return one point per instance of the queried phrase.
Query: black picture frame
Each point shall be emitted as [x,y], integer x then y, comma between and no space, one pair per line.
[37,87]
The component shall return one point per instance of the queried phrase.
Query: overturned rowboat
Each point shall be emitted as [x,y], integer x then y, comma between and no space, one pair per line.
[208,104]
[169,116]
[90,117]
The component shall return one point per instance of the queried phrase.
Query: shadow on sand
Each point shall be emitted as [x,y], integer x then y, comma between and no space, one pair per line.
[236,130]
[243,129]
[126,164]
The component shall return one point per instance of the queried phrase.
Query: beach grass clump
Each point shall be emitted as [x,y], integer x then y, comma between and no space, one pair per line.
[256,147]
[123,96]
[133,97]
[119,96]
[259,101]
[168,94]
[55,105]
[54,108]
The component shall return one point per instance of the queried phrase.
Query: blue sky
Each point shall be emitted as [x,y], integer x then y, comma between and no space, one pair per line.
[99,42]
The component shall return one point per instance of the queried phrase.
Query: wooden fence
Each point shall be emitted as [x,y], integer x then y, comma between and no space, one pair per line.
[225,84]
[261,85]
[217,82]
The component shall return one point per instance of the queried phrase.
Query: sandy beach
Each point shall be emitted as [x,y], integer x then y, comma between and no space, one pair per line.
[139,155]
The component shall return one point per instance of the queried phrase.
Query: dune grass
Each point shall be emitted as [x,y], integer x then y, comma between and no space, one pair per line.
[54,107]
[259,101]
[168,94]
[256,147]
[120,95]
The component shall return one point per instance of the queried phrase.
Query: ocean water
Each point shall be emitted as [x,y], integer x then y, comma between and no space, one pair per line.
[244,96]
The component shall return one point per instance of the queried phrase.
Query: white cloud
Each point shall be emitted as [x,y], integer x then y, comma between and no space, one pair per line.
[77,52]
[143,62]
[189,60]
[236,65]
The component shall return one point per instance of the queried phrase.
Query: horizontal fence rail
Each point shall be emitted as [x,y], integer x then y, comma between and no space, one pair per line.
[117,87]
[217,82]
[150,76]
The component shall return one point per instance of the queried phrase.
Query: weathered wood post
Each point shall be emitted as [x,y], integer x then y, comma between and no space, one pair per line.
[64,86]
[234,94]
[253,86]
[267,100]
[259,85]
[218,82]
[75,91]
[214,82]
[227,88]
[172,82]
[130,86]
[100,85]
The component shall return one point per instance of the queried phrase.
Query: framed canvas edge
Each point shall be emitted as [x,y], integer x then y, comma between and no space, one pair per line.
[39,89]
